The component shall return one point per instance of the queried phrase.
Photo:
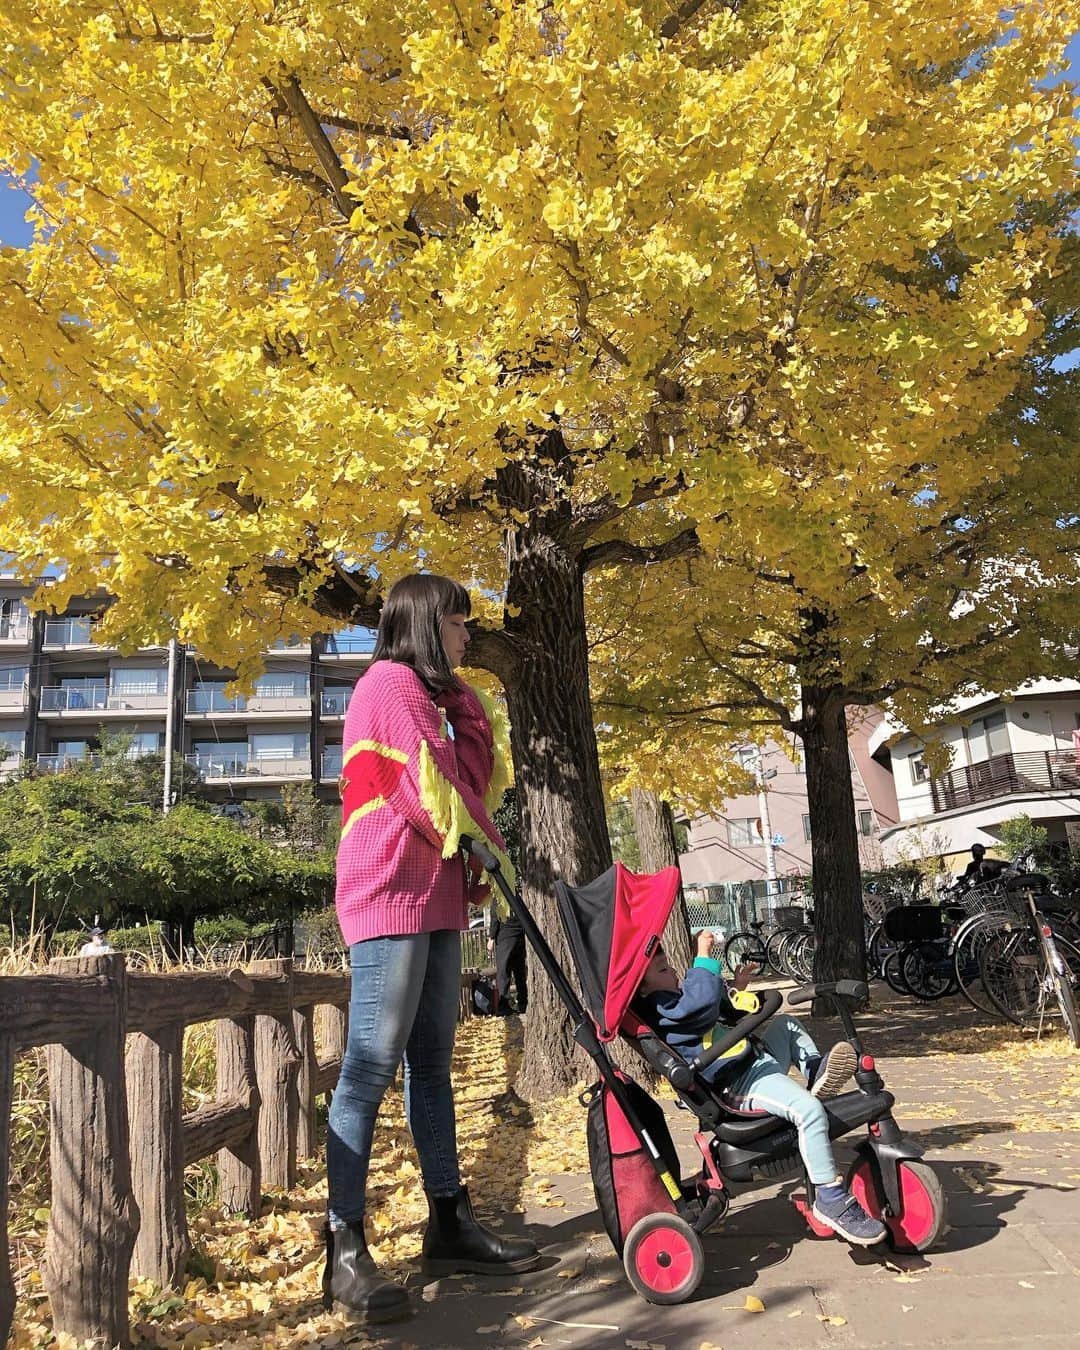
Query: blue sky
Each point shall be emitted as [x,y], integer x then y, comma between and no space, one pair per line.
[13,202]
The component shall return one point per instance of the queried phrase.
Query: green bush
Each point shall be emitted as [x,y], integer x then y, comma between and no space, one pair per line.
[222,931]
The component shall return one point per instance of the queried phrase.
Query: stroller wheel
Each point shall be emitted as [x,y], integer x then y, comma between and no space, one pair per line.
[663,1258]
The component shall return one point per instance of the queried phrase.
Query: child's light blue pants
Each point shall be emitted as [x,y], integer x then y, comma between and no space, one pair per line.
[765,1086]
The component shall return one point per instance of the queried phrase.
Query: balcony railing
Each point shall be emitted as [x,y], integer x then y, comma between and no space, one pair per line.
[347,644]
[58,763]
[98,698]
[202,701]
[15,699]
[1005,775]
[15,630]
[334,702]
[331,762]
[11,762]
[290,644]
[219,767]
[69,633]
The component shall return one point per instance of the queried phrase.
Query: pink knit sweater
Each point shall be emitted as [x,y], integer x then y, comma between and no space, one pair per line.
[392,877]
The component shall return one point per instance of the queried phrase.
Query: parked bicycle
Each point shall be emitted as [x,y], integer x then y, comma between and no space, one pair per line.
[1030,972]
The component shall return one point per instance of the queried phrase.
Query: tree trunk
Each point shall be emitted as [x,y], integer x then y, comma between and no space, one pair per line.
[834,842]
[655,828]
[557,771]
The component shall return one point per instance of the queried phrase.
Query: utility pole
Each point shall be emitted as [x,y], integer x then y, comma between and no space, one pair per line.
[170,726]
[766,824]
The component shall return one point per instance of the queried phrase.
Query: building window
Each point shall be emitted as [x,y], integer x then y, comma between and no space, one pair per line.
[866,822]
[280,745]
[987,736]
[919,772]
[806,828]
[14,677]
[14,619]
[742,833]
[11,743]
[139,743]
[282,684]
[127,681]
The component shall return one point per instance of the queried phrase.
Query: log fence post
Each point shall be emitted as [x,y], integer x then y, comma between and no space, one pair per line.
[277,1064]
[93,1216]
[239,1172]
[156,1108]
[304,1033]
[7,1284]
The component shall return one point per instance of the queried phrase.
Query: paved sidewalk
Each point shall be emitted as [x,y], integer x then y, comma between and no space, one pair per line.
[1007,1272]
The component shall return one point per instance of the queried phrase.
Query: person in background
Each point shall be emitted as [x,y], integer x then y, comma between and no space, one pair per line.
[981,868]
[506,942]
[424,763]
[98,944]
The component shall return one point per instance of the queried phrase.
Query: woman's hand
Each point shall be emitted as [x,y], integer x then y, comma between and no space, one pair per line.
[491,947]
[743,975]
[704,943]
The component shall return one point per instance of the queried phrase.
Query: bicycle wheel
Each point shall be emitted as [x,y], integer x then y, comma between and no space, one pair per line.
[774,949]
[967,945]
[745,949]
[1011,965]
[1063,962]
[891,971]
[927,971]
[877,948]
[801,958]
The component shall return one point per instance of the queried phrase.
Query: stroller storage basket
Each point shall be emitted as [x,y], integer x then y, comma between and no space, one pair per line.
[624,1178]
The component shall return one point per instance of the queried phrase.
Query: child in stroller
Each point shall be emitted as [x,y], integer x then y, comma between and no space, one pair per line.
[753,1075]
[613,927]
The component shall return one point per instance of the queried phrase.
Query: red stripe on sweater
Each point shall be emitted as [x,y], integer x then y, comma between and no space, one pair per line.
[367,775]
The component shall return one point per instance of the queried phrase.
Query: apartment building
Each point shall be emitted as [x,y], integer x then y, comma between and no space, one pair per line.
[731,847]
[61,690]
[1013,754]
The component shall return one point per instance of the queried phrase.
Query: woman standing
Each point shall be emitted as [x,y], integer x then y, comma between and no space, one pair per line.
[421,767]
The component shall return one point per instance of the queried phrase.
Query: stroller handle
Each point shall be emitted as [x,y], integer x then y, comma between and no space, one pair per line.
[479,850]
[771,999]
[856,989]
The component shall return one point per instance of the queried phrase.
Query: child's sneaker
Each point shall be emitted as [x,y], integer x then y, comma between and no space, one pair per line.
[834,1070]
[839,1210]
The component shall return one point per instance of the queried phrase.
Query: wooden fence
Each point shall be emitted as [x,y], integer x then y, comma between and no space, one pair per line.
[119,1138]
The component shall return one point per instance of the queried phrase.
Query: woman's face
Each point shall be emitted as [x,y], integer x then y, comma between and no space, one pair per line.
[455,638]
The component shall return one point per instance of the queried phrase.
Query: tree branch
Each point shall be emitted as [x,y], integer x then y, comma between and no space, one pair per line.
[621,550]
[294,99]
[686,11]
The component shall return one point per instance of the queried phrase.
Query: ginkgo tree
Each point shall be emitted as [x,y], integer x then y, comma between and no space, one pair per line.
[509,289]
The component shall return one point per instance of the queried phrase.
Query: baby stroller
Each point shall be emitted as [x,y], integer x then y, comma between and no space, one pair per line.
[655,1220]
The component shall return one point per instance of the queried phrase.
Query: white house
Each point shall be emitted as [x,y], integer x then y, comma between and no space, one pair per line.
[1012,754]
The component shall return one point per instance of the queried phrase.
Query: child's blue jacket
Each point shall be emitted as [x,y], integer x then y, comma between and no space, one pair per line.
[686,1018]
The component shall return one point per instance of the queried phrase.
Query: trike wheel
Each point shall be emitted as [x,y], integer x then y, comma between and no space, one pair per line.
[921,1220]
[663,1258]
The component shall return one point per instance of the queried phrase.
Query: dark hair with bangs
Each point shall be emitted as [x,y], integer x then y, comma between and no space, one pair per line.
[409,626]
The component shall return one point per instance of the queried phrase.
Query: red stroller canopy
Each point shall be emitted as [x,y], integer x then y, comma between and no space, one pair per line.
[613,925]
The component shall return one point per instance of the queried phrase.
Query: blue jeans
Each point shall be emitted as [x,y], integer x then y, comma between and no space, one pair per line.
[765,1086]
[405,993]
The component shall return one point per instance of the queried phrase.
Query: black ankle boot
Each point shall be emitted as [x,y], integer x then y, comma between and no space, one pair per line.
[456,1244]
[351,1277]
